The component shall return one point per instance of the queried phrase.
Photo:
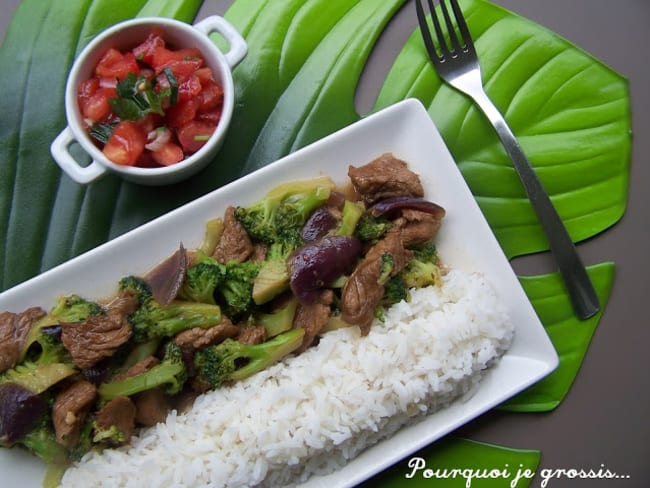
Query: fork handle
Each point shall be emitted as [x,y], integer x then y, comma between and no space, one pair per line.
[579,286]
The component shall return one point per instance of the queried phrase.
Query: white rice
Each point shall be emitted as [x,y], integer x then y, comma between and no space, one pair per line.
[312,413]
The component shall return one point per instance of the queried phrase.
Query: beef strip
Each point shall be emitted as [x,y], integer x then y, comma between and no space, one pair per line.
[259,252]
[362,293]
[234,242]
[97,337]
[118,412]
[417,227]
[313,317]
[385,177]
[14,328]
[69,411]
[252,334]
[123,304]
[151,407]
[197,337]
[140,367]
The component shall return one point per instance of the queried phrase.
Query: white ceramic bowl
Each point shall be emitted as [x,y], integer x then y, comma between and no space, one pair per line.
[126,35]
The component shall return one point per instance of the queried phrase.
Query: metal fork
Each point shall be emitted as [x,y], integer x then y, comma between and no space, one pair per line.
[457,64]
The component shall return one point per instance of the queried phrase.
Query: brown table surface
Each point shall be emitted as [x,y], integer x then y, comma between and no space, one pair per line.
[604,418]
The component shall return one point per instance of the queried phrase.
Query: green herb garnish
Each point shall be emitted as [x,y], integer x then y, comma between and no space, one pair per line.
[102,131]
[136,96]
[173,84]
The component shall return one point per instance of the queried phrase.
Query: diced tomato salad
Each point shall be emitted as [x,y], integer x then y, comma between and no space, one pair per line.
[151,106]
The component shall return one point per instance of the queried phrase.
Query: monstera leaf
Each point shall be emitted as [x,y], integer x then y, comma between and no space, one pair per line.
[569,111]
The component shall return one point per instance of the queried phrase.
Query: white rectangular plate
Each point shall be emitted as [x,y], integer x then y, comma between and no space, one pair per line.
[465,241]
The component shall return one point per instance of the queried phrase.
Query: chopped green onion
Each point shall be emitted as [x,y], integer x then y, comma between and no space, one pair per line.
[202,137]
[173,83]
[102,131]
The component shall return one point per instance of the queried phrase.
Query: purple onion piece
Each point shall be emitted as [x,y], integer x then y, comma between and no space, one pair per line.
[20,410]
[167,277]
[390,207]
[318,264]
[98,374]
[53,331]
[319,223]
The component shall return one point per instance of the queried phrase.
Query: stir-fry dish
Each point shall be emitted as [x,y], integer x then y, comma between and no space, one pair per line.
[269,279]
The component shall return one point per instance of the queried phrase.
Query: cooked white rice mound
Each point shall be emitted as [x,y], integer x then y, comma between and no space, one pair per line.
[314,412]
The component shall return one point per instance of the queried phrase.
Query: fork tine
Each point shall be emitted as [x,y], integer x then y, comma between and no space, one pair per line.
[424,30]
[462,26]
[453,38]
[444,49]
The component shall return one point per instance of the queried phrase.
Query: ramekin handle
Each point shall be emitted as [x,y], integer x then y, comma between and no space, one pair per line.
[238,47]
[61,154]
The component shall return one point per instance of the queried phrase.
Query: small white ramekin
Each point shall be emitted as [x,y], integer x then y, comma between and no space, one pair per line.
[127,35]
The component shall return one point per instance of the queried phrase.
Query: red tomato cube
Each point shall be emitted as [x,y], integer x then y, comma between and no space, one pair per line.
[115,65]
[194,135]
[168,154]
[125,144]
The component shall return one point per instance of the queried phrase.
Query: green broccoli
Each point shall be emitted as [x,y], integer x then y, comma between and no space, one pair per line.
[111,436]
[280,320]
[47,362]
[151,320]
[386,267]
[273,277]
[277,221]
[41,441]
[395,291]
[280,215]
[350,216]
[233,361]
[202,280]
[236,289]
[171,373]
[423,268]
[371,229]
[85,443]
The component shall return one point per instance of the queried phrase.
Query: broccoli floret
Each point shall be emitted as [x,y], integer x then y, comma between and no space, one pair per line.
[371,229]
[423,268]
[395,291]
[280,215]
[277,220]
[202,280]
[237,288]
[386,266]
[111,436]
[42,441]
[46,363]
[151,320]
[233,361]
[171,373]
[72,308]
[229,285]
